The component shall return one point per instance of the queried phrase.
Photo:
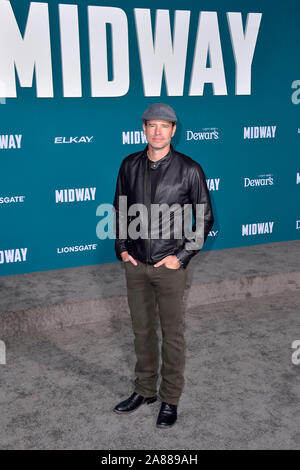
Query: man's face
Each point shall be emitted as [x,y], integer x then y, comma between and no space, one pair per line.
[159,133]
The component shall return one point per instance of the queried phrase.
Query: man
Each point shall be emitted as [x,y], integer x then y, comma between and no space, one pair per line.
[156,267]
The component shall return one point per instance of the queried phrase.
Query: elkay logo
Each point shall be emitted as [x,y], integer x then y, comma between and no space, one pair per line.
[73,140]
[2,352]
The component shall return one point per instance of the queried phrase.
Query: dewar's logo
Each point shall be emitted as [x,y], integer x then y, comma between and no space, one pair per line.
[261,180]
[203,134]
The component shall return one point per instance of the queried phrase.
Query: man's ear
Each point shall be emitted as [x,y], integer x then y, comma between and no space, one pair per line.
[144,127]
[174,130]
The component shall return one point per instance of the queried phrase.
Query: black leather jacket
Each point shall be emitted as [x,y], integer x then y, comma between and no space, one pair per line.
[182,181]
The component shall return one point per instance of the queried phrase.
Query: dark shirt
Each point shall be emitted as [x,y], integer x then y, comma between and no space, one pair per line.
[155,173]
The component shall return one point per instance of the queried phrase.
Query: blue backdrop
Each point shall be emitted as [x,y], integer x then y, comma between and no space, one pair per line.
[75,79]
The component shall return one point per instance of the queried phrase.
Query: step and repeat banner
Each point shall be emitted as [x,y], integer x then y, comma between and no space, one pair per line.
[75,79]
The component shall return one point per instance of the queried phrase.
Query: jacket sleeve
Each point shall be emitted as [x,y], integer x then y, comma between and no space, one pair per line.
[120,219]
[199,194]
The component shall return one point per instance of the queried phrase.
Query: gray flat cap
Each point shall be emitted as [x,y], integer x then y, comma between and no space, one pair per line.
[160,111]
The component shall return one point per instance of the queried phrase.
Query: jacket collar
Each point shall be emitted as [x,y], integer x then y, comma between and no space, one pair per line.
[163,160]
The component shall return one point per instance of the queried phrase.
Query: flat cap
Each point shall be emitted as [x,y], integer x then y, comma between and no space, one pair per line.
[160,111]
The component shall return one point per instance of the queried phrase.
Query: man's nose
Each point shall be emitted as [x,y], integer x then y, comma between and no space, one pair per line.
[157,130]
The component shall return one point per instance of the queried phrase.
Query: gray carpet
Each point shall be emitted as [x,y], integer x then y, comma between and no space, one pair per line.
[59,387]
[40,301]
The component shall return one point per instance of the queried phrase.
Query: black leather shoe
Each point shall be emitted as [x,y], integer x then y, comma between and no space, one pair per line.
[167,416]
[132,403]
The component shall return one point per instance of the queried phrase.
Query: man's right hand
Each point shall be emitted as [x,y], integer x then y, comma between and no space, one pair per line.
[127,257]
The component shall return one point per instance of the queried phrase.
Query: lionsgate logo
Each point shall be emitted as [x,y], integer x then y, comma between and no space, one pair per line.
[11,199]
[260,132]
[298,178]
[10,141]
[208,133]
[260,228]
[75,195]
[77,248]
[133,137]
[261,180]
[84,139]
[165,220]
[297,224]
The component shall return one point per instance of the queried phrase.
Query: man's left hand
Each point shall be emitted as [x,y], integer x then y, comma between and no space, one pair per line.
[170,262]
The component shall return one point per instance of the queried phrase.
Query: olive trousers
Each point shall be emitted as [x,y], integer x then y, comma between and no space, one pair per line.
[147,288]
